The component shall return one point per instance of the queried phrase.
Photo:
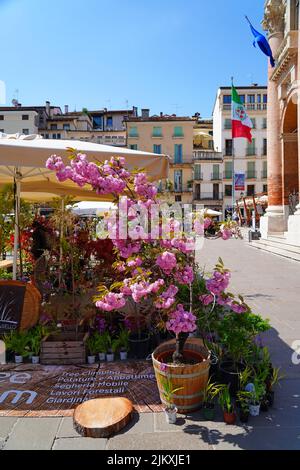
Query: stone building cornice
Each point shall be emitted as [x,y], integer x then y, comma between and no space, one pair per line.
[273,21]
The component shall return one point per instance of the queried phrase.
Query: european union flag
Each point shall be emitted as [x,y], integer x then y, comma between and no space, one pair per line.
[262,43]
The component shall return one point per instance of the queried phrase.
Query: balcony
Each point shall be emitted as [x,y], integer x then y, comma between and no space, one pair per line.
[248,106]
[208,155]
[198,176]
[208,196]
[227,175]
[215,177]
[251,175]
[183,189]
[264,175]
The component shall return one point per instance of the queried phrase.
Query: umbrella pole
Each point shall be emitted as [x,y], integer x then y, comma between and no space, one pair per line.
[61,239]
[16,235]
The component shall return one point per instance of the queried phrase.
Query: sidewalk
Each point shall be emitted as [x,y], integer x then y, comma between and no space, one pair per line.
[271,286]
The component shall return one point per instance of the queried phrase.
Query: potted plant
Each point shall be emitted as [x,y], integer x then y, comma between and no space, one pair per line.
[167,391]
[274,379]
[257,394]
[123,343]
[227,406]
[102,345]
[17,342]
[243,398]
[92,346]
[112,348]
[210,392]
[36,336]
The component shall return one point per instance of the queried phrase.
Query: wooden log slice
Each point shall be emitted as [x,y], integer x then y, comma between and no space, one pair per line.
[102,417]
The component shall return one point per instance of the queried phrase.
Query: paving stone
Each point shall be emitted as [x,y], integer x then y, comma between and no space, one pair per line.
[2,441]
[187,423]
[160,441]
[33,434]
[66,428]
[140,423]
[79,443]
[6,425]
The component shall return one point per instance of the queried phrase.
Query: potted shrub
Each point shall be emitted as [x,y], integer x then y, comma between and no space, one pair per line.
[123,343]
[274,379]
[102,345]
[112,348]
[227,406]
[17,342]
[92,347]
[243,398]
[36,335]
[167,391]
[257,394]
[210,392]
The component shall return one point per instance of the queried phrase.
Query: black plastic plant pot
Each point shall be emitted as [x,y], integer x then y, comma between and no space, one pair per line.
[244,416]
[139,346]
[208,411]
[229,375]
[270,397]
[264,406]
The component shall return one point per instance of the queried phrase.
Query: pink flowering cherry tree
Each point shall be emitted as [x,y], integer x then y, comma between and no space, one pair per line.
[151,267]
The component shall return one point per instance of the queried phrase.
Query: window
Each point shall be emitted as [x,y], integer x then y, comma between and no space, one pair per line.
[178,180]
[265,98]
[228,170]
[251,99]
[1,117]
[25,131]
[227,99]
[228,190]
[198,192]
[264,123]
[109,122]
[197,172]
[178,132]
[59,136]
[228,147]
[251,173]
[47,136]
[53,127]
[216,172]
[97,122]
[242,98]
[54,136]
[265,188]
[178,153]
[133,132]
[251,150]
[25,117]
[227,124]
[265,169]
[66,127]
[258,98]
[157,132]
[211,133]
[178,198]
[265,145]
[157,149]
[211,144]
[250,190]
[133,146]
[216,193]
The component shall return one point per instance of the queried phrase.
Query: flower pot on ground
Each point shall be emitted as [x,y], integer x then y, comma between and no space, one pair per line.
[35,359]
[17,342]
[225,401]
[36,335]
[122,343]
[264,406]
[210,393]
[92,345]
[110,356]
[244,416]
[254,410]
[257,394]
[230,373]
[271,396]
[274,379]
[191,375]
[243,400]
[91,359]
[102,356]
[139,345]
[18,359]
[123,355]
[171,414]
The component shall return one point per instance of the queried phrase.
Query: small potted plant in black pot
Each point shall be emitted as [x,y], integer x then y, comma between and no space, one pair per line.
[274,379]
[243,400]
[210,392]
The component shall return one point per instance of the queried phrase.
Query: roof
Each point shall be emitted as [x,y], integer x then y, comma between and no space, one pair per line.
[25,108]
[250,87]
[164,118]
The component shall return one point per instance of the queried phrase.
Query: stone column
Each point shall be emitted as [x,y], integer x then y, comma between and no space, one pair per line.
[275,220]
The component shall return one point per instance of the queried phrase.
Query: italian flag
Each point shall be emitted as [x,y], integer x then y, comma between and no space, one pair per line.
[241,123]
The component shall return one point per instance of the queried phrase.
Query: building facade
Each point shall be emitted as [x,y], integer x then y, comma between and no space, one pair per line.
[169,135]
[281,20]
[247,161]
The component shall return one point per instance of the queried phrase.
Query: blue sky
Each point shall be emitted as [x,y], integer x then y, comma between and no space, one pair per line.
[168,55]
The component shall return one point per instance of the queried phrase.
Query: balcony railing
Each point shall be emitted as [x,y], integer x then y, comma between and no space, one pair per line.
[264,174]
[251,152]
[215,177]
[207,155]
[248,106]
[198,176]
[227,175]
[251,175]
[208,196]
[183,189]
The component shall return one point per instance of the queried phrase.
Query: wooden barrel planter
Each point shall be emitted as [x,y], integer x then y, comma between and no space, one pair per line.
[193,378]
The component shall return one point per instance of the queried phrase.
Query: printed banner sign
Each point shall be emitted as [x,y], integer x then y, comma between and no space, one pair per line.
[11,307]
[39,390]
[239,181]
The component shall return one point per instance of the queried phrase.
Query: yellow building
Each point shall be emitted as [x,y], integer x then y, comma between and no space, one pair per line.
[170,135]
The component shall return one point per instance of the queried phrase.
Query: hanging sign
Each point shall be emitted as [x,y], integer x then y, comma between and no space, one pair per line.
[239,181]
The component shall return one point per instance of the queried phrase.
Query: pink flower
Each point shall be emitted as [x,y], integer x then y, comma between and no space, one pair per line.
[111,302]
[238,308]
[207,223]
[218,283]
[181,321]
[185,275]
[226,234]
[133,263]
[167,298]
[207,299]
[199,227]
[166,261]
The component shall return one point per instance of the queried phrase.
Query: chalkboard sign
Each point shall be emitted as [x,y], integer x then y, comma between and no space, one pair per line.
[11,307]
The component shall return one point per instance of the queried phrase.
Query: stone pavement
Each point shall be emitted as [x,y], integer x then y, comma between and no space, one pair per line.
[271,285]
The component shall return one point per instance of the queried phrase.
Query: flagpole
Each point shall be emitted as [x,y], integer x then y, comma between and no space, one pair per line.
[233,167]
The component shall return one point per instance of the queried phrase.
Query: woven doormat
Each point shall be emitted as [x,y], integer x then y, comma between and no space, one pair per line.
[37,390]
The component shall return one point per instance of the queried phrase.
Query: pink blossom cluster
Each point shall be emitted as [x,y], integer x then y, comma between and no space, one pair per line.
[218,282]
[140,290]
[143,187]
[184,275]
[206,299]
[126,247]
[134,263]
[181,321]
[226,233]
[166,261]
[111,301]
[167,298]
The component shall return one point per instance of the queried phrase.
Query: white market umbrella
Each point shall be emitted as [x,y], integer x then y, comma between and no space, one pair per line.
[212,213]
[23,159]
[85,208]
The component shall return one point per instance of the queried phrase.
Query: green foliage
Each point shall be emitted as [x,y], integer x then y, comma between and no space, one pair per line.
[275,377]
[259,391]
[244,399]
[225,400]
[245,377]
[5,275]
[211,391]
[168,390]
[17,342]
[123,340]
[35,337]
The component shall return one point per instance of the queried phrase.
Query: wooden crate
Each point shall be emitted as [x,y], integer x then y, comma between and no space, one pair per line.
[64,348]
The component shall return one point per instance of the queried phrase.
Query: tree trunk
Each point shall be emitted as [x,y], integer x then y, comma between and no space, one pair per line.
[180,342]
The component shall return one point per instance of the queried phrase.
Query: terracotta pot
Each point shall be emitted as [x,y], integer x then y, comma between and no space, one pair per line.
[229,418]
